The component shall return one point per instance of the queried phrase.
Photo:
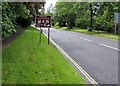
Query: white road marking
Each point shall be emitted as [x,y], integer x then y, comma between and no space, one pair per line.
[98,43]
[92,81]
[109,46]
[75,64]
[101,44]
[86,39]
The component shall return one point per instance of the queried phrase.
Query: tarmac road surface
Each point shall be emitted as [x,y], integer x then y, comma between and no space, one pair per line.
[96,55]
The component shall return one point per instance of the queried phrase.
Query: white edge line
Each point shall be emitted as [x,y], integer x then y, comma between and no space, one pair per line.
[75,64]
[109,46]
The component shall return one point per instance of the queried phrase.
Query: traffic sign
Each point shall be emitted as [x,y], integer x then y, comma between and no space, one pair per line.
[117,18]
[43,21]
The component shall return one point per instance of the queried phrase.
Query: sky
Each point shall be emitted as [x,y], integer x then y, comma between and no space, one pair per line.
[48,3]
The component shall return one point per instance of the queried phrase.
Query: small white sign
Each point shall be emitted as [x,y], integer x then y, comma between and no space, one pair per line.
[117,18]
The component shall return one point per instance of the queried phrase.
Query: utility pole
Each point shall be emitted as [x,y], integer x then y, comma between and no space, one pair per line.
[91,17]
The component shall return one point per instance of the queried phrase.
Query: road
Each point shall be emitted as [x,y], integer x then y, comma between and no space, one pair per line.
[96,55]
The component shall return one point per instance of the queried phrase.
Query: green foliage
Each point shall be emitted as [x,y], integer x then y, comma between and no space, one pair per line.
[65,17]
[105,17]
[17,14]
[78,14]
[11,12]
[82,13]
[89,29]
[93,32]
[72,14]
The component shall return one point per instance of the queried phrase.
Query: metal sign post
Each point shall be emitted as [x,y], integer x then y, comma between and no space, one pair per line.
[40,35]
[43,21]
[48,35]
[117,22]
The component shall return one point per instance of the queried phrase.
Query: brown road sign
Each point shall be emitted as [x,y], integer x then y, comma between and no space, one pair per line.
[43,21]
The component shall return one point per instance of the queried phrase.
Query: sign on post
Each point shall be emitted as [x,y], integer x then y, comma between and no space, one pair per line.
[43,21]
[117,18]
[117,22]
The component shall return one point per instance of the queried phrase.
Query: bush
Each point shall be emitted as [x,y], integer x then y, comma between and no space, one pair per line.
[14,14]
[89,29]
[56,26]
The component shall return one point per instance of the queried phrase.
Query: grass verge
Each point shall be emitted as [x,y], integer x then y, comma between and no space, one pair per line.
[94,32]
[24,62]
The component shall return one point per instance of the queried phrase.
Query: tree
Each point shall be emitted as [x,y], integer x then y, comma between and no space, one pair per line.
[105,15]
[82,15]
[10,13]
[78,14]
[15,14]
[65,16]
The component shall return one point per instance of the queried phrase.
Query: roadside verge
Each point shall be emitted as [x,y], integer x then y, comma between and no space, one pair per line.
[90,80]
[26,61]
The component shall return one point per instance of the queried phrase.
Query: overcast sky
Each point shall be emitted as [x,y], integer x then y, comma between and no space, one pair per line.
[48,3]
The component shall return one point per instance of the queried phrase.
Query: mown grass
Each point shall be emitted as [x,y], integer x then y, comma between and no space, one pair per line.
[24,62]
[94,32]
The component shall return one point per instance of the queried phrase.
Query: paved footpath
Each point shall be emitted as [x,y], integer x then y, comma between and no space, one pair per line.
[96,55]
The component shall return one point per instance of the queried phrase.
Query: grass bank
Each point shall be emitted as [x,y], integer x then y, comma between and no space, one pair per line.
[24,62]
[94,32]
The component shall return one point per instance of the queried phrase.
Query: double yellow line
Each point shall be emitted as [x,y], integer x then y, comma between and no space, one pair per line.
[91,80]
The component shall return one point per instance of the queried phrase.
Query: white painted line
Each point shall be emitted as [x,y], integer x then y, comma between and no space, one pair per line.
[75,64]
[92,81]
[109,46]
[85,39]
[101,44]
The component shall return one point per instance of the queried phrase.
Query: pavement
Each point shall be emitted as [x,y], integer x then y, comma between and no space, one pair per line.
[96,55]
[6,42]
